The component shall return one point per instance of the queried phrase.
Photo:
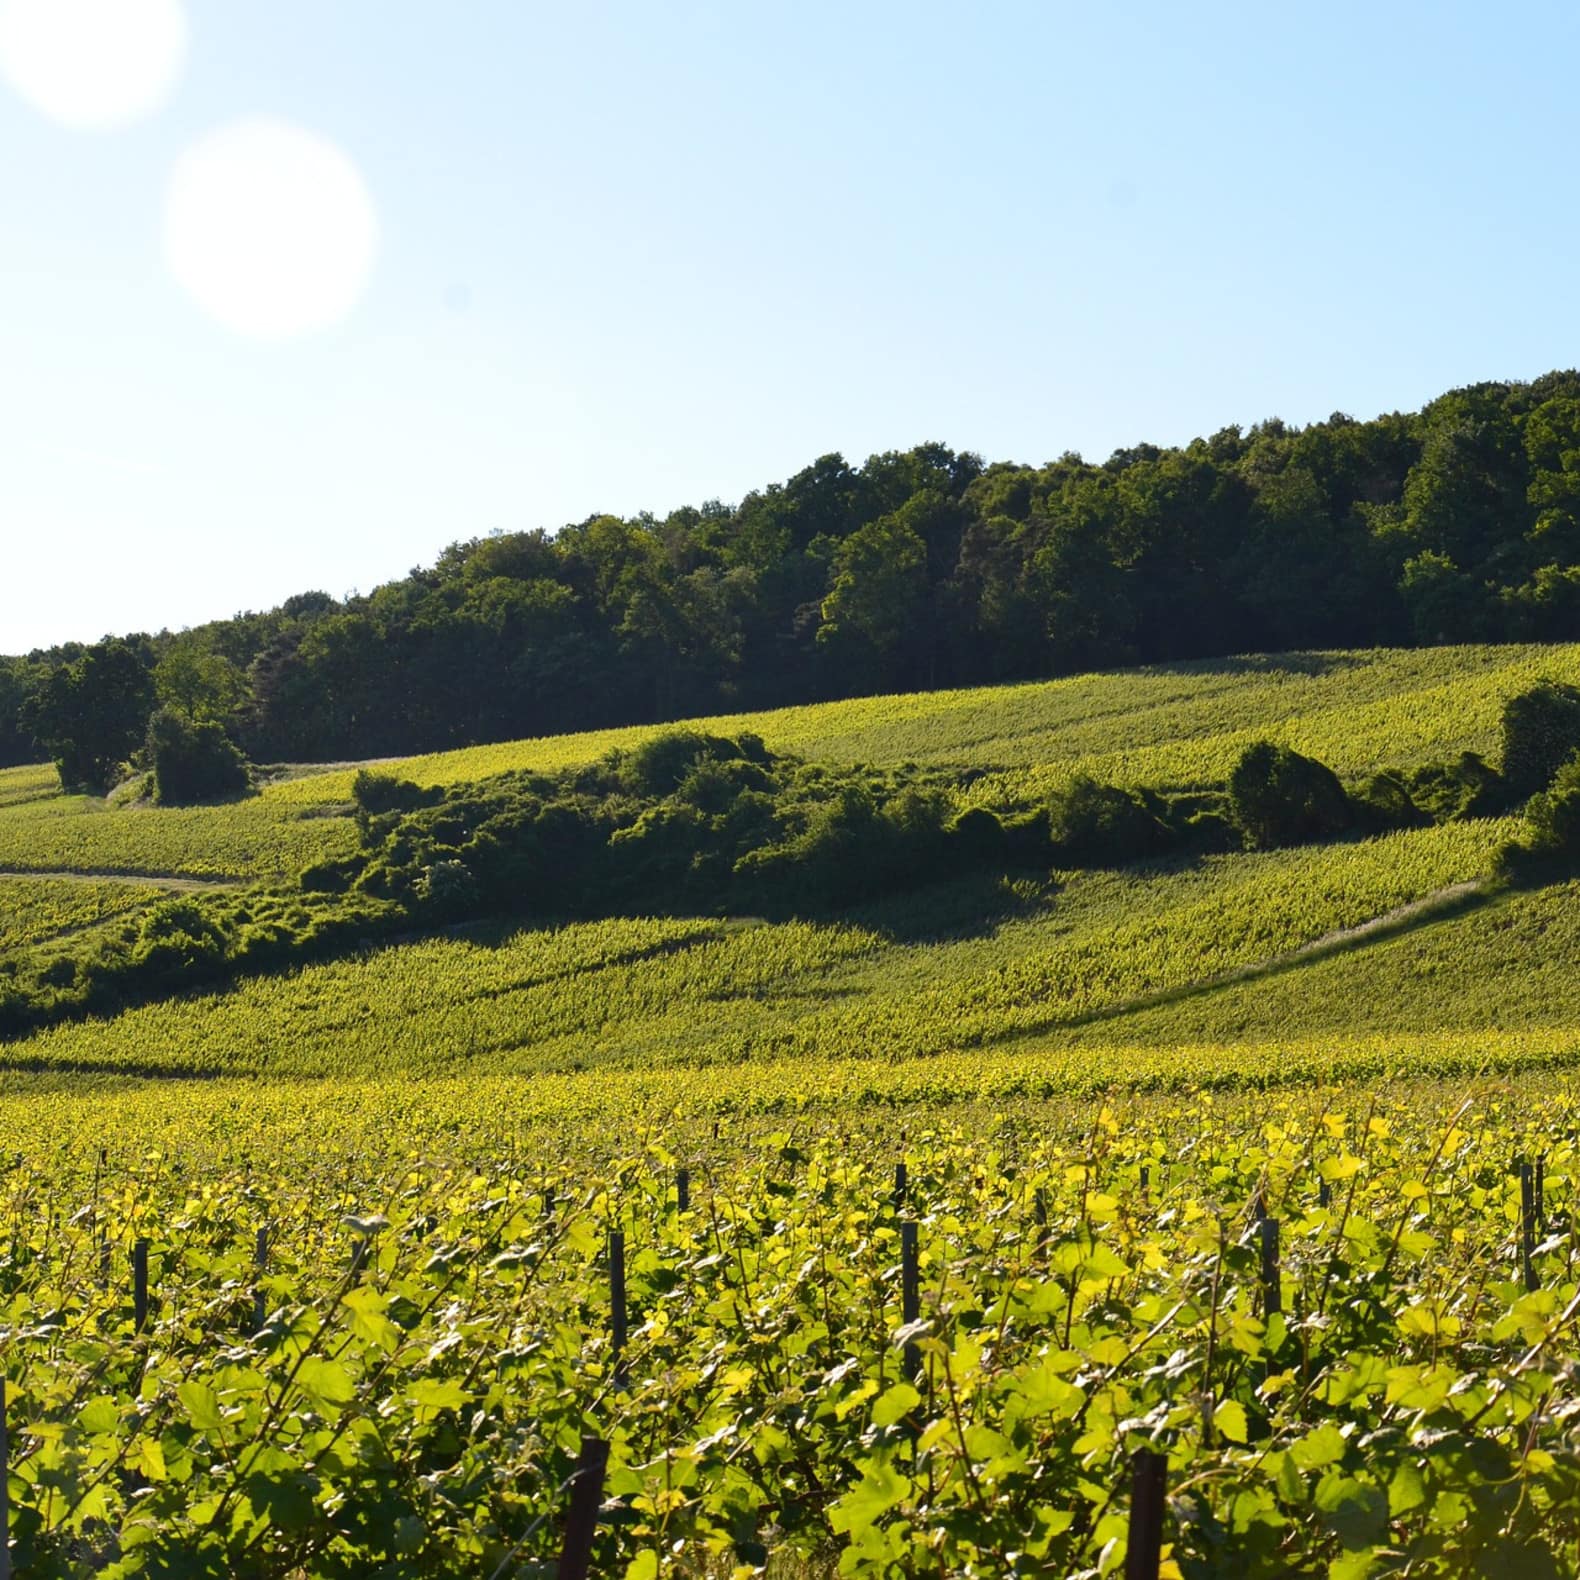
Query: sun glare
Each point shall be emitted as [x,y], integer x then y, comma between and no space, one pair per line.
[270,228]
[92,63]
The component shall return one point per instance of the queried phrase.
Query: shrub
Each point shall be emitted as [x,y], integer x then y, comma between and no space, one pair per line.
[192,759]
[178,938]
[376,793]
[1541,728]
[447,889]
[331,877]
[660,765]
[1553,817]
[1278,797]
[1092,824]
[1385,802]
[1449,792]
[978,838]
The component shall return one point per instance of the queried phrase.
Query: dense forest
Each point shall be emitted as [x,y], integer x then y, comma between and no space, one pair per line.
[915,570]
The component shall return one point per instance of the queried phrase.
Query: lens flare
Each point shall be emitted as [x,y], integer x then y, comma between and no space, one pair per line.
[92,63]
[270,228]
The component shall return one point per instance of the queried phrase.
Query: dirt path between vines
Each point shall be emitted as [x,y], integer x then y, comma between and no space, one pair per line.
[174,882]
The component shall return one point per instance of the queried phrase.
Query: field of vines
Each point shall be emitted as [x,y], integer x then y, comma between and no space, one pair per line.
[1086,951]
[375,1325]
[916,1241]
[1176,724]
[35,910]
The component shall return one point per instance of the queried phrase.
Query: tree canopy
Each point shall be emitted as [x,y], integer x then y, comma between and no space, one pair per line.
[917,568]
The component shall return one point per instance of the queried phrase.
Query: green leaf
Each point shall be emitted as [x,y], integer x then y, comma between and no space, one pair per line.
[1281,1470]
[201,1404]
[432,1394]
[1352,1566]
[895,1405]
[366,1308]
[1324,1446]
[643,1567]
[151,1460]
[880,1488]
[328,1382]
[1229,1419]
[99,1417]
[1407,1490]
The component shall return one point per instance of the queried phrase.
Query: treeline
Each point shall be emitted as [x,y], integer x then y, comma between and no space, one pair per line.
[920,569]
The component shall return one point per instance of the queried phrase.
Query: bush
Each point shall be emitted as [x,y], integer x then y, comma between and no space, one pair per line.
[1553,817]
[978,838]
[1092,824]
[448,890]
[1384,802]
[1541,728]
[331,877]
[178,939]
[1277,797]
[662,763]
[1449,792]
[192,759]
[377,793]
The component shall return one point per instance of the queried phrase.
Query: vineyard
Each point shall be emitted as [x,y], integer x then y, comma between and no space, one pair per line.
[649,993]
[372,1332]
[919,1237]
[1178,724]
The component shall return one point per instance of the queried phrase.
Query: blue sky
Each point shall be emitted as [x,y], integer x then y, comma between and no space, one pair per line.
[637,255]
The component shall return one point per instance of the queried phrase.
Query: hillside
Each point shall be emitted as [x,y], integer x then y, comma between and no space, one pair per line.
[922,1198]
[1125,965]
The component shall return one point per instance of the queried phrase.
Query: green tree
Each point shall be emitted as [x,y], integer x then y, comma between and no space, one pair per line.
[1444,604]
[878,590]
[91,714]
[200,682]
[1553,817]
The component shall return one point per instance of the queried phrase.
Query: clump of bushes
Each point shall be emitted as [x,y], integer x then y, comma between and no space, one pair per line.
[1541,731]
[192,760]
[1278,797]
[1099,825]
[1550,846]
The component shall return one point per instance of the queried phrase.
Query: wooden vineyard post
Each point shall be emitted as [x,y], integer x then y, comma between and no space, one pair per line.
[260,1258]
[359,1255]
[5,1489]
[901,1183]
[1272,1282]
[581,1520]
[910,1294]
[682,1190]
[617,1318]
[1148,1493]
[139,1285]
[1528,1223]
[1039,1210]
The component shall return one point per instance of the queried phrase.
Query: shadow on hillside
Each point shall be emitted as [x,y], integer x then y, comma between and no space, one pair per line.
[1307,664]
[970,907]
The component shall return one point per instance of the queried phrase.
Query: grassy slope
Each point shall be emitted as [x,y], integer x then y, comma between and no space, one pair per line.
[1060,984]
